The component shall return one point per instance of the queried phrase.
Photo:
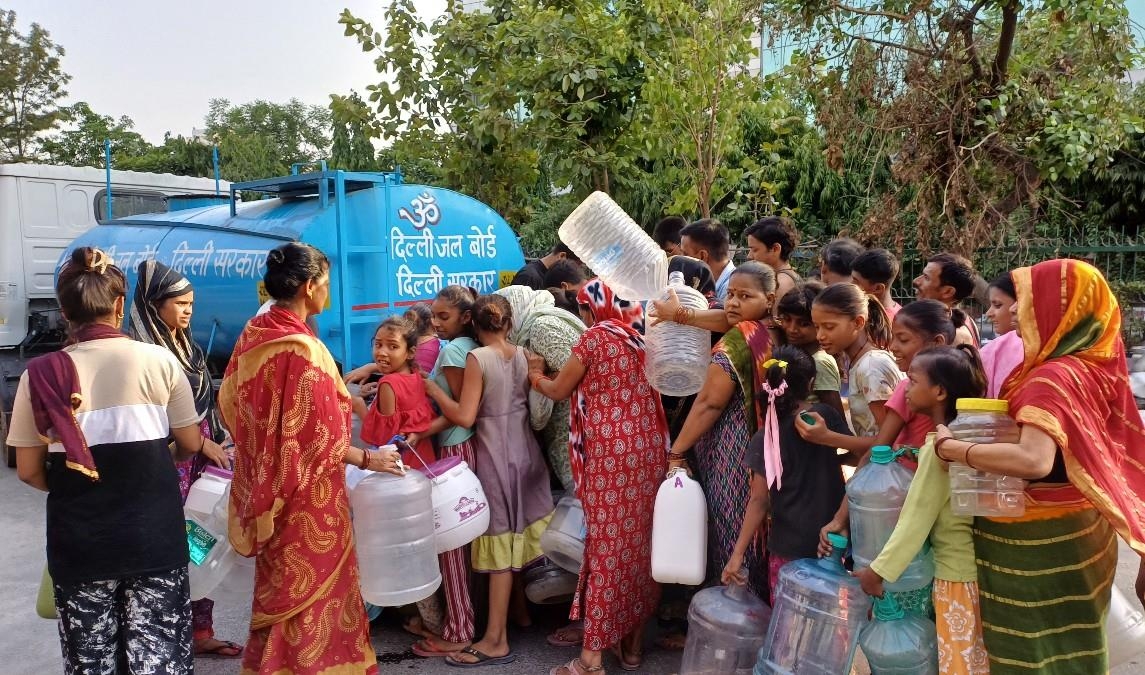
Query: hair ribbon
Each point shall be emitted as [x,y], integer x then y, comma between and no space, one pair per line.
[772,458]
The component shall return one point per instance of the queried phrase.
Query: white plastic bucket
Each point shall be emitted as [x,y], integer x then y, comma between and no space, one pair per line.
[460,510]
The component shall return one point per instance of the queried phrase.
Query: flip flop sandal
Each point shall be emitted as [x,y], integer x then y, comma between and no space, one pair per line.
[557,639]
[482,659]
[225,650]
[627,664]
[426,649]
[576,667]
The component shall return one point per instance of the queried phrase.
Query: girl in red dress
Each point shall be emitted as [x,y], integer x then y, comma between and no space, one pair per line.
[619,452]
[401,405]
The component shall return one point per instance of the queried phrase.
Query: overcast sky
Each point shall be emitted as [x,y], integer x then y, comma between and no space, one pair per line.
[160,61]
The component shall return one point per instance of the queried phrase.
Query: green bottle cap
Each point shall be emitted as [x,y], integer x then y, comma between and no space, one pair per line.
[882,454]
[838,541]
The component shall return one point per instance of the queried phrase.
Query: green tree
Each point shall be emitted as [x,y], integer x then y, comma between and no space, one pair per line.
[31,85]
[699,87]
[976,107]
[82,145]
[177,155]
[351,148]
[260,138]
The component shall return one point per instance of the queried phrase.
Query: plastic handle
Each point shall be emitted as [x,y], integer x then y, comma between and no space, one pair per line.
[400,441]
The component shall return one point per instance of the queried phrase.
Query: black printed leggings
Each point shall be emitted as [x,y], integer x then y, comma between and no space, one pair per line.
[139,625]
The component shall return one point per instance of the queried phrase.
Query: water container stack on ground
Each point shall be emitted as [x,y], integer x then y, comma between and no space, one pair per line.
[615,248]
[563,540]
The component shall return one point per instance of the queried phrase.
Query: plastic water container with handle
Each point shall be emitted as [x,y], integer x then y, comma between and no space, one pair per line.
[606,239]
[207,490]
[980,493]
[563,540]
[212,557]
[875,496]
[816,617]
[460,510]
[677,356]
[679,531]
[393,532]
[726,628]
[897,643]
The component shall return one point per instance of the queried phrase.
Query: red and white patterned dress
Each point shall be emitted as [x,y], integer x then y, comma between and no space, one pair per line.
[618,446]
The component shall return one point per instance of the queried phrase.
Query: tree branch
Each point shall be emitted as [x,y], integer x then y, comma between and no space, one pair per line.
[870,12]
[1005,43]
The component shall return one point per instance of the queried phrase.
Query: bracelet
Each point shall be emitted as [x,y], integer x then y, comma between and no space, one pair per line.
[966,457]
[535,379]
[938,449]
[677,455]
[684,315]
[365,459]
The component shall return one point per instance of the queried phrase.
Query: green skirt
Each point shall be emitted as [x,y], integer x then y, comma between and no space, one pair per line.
[1045,588]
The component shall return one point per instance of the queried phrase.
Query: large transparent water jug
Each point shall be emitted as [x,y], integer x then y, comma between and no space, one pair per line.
[680,531]
[677,356]
[1124,629]
[875,495]
[393,532]
[239,580]
[207,491]
[606,239]
[563,540]
[726,628]
[816,617]
[897,643]
[979,493]
[212,557]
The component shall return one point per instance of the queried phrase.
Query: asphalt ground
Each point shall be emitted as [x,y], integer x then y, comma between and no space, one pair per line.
[30,645]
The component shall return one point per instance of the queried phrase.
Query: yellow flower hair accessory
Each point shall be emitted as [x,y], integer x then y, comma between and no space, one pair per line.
[775,362]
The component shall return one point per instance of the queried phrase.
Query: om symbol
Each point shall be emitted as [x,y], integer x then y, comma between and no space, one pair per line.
[425,211]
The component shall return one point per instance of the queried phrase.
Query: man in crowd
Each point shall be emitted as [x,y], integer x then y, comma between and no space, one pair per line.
[708,240]
[533,273]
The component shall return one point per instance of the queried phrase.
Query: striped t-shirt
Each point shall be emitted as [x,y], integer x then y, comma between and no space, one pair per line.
[130,521]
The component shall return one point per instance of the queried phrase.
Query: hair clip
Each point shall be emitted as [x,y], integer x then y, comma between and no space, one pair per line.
[99,261]
[775,362]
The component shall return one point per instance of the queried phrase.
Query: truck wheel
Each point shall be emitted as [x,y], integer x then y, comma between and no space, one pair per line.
[9,452]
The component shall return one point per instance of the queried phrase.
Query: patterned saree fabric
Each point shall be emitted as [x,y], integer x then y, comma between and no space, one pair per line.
[747,346]
[1074,385]
[284,402]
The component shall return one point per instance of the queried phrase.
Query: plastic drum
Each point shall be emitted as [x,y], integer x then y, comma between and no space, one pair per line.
[460,510]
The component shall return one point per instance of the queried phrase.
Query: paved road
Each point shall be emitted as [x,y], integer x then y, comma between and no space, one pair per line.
[30,645]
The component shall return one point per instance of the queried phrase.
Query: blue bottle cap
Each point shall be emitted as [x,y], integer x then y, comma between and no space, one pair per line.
[838,541]
[882,454]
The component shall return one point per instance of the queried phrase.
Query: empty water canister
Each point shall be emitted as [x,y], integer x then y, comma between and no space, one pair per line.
[393,532]
[897,643]
[726,627]
[548,584]
[207,491]
[1124,629]
[818,612]
[679,531]
[460,510]
[563,540]
[613,246]
[212,557]
[979,493]
[677,356]
[239,579]
[875,496]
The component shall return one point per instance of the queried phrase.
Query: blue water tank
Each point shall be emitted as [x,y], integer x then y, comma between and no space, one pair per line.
[391,245]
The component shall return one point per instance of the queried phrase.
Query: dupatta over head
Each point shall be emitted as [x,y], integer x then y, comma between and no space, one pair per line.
[747,346]
[1074,385]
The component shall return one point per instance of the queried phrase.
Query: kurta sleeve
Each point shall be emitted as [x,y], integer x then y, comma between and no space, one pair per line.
[928,494]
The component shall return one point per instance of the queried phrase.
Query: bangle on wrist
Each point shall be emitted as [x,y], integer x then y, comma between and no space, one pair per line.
[535,380]
[365,459]
[938,449]
[966,456]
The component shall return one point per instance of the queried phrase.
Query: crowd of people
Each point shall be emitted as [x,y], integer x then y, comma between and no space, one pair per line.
[541,388]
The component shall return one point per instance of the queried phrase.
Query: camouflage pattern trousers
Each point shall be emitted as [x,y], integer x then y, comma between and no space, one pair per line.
[139,625]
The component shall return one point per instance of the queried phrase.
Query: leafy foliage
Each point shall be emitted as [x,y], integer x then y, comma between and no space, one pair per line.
[31,86]
[82,145]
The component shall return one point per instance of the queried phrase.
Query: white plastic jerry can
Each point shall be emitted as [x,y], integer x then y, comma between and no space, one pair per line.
[680,531]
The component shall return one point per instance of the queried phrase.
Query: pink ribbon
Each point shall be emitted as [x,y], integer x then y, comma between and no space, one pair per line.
[772,458]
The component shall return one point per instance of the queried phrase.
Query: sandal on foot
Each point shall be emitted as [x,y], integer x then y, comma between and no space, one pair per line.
[562,637]
[628,663]
[482,659]
[224,650]
[577,667]
[428,649]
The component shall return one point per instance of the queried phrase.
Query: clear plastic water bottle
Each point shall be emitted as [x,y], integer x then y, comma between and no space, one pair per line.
[816,617]
[726,627]
[617,250]
[393,532]
[979,493]
[897,643]
[677,356]
[875,495]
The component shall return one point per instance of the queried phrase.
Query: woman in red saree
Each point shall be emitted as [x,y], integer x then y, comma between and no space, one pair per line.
[284,403]
[1045,577]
